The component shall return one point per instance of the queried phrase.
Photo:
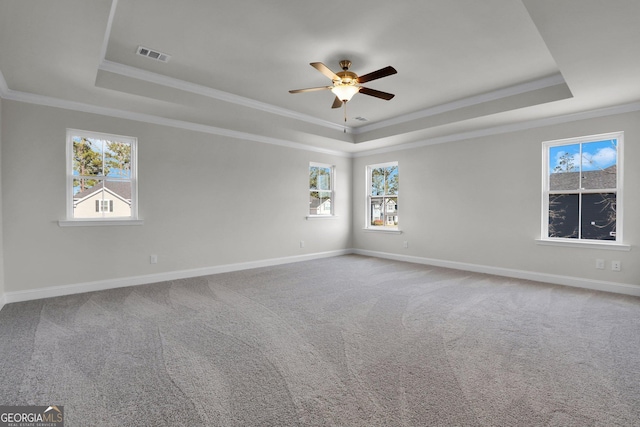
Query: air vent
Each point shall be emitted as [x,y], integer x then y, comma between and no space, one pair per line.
[152,54]
[361,119]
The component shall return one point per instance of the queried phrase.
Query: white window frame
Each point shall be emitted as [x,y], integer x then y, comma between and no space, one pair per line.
[332,186]
[368,197]
[129,220]
[580,242]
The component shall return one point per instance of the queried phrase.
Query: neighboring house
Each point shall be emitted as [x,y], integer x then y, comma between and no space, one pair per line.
[319,207]
[605,178]
[389,217]
[598,210]
[112,200]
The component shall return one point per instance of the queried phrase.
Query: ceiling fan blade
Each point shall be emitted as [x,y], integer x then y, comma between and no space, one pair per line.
[337,103]
[325,70]
[376,93]
[383,72]
[311,89]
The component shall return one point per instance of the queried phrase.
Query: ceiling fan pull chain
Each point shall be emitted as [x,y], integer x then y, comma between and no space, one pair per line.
[345,116]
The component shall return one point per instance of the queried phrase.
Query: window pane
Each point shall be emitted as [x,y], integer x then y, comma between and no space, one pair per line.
[599,164]
[377,211]
[324,179]
[391,181]
[563,215]
[377,181]
[391,211]
[599,216]
[564,167]
[87,156]
[101,199]
[320,203]
[117,159]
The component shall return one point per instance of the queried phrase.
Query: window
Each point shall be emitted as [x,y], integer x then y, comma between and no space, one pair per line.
[382,196]
[101,176]
[104,205]
[582,189]
[321,178]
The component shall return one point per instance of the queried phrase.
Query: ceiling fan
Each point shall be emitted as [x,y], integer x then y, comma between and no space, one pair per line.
[347,83]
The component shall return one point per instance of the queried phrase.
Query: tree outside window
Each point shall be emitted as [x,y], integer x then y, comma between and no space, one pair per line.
[102,173]
[582,192]
[382,196]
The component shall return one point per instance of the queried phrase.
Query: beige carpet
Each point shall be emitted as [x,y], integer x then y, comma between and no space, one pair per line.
[345,341]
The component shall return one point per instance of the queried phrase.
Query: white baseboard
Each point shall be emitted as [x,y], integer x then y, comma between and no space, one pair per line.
[101,285]
[576,282]
[55,291]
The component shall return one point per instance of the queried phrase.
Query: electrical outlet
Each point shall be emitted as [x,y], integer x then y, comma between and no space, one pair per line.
[301,243]
[615,265]
[405,244]
[153,259]
[600,264]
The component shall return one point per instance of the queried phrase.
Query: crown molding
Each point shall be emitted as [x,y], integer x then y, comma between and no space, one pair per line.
[513,127]
[545,82]
[6,93]
[162,80]
[151,77]
[31,98]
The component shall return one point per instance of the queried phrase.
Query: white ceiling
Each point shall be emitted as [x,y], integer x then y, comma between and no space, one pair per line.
[463,65]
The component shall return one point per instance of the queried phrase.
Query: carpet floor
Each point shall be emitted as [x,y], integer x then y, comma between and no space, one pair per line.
[344,341]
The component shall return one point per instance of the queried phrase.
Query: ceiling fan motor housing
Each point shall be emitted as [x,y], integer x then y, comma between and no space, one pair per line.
[346,78]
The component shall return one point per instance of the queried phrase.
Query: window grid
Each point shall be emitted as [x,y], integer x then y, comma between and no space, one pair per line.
[321,189]
[106,164]
[597,191]
[382,196]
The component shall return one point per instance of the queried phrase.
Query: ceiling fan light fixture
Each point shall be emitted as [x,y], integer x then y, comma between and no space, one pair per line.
[345,92]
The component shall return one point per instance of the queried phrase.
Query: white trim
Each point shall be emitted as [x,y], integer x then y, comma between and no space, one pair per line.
[466,102]
[107,33]
[31,98]
[98,222]
[148,76]
[619,189]
[576,282]
[383,230]
[133,179]
[56,291]
[585,244]
[314,217]
[162,80]
[512,127]
[368,197]
[332,185]
[101,285]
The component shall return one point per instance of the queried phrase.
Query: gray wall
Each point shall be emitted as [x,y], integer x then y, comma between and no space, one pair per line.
[211,201]
[205,201]
[479,201]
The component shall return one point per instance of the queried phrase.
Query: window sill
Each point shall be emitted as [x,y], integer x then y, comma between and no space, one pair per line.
[383,230]
[584,244]
[98,222]
[312,217]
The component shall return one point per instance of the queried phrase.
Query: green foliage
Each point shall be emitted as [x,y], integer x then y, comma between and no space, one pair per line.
[384,181]
[87,161]
[98,158]
[118,157]
[319,178]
